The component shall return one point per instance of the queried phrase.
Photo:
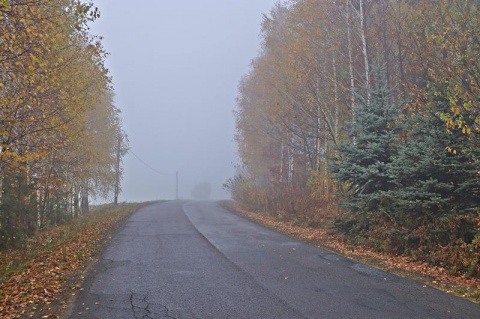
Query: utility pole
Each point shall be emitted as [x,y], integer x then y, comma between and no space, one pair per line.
[176,197]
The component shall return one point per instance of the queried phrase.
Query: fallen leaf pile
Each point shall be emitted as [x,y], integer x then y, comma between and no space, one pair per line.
[434,276]
[42,268]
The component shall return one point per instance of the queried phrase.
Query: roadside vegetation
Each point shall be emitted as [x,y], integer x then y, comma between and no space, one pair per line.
[362,118]
[61,137]
[39,279]
[61,144]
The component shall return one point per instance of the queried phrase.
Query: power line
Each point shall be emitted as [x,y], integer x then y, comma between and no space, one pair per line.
[146,164]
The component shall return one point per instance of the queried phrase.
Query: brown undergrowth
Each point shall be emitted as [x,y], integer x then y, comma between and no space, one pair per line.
[438,277]
[38,280]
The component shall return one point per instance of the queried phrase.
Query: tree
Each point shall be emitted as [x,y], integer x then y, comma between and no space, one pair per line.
[58,125]
[444,50]
[408,160]
[121,151]
[201,191]
[361,166]
[430,180]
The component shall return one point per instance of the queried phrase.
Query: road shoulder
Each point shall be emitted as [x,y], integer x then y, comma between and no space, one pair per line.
[436,277]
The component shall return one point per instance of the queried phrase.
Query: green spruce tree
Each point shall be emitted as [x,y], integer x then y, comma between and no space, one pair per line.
[437,171]
[361,166]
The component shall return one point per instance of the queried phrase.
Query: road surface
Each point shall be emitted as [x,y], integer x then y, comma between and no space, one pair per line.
[196,260]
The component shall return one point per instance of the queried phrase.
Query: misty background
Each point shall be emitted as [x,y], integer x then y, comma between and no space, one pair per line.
[175,67]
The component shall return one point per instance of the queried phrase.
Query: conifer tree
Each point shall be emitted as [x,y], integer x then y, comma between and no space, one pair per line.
[436,170]
[361,166]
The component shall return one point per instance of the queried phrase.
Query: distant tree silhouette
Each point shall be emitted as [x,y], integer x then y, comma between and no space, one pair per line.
[201,191]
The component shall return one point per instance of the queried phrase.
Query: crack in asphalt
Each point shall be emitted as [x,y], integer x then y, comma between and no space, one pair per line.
[158,279]
[142,310]
[133,306]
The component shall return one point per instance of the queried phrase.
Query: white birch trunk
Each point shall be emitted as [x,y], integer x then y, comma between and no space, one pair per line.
[364,49]
[291,160]
[350,62]
[335,90]
[282,151]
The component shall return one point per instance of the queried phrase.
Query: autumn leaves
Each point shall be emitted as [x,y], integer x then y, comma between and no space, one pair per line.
[59,130]
[396,82]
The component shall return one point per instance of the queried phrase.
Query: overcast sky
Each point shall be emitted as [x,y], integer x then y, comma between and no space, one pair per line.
[175,67]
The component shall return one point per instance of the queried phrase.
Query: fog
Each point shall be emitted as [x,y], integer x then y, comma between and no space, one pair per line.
[175,68]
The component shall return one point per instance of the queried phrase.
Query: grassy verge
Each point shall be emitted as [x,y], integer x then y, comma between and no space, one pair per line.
[36,281]
[468,288]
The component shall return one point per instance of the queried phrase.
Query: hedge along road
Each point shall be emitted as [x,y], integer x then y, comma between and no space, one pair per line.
[197,260]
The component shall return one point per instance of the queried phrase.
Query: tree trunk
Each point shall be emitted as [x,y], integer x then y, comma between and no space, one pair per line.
[386,49]
[282,151]
[117,170]
[363,36]
[75,205]
[350,63]
[335,90]
[84,203]
[291,160]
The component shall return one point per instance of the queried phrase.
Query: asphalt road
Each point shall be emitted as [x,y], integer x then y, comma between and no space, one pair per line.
[197,260]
